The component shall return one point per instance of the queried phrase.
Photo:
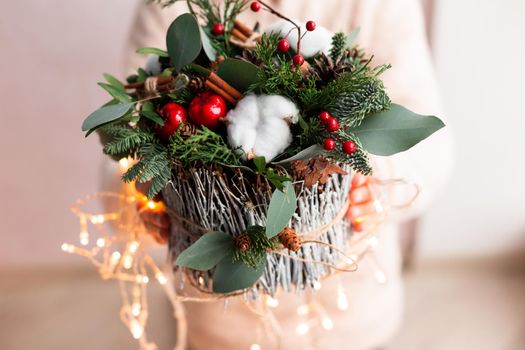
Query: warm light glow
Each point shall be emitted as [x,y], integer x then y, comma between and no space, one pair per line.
[127,261]
[142,279]
[151,204]
[68,248]
[255,347]
[136,329]
[201,280]
[84,238]
[302,329]
[317,285]
[97,219]
[101,242]
[327,323]
[272,302]
[124,164]
[161,278]
[135,309]
[380,277]
[303,310]
[342,302]
[133,246]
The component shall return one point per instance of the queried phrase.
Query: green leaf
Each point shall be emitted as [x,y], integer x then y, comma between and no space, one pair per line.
[154,117]
[147,106]
[230,276]
[207,46]
[306,154]
[240,74]
[260,164]
[207,252]
[183,41]
[152,51]
[114,82]
[106,115]
[352,36]
[395,130]
[281,209]
[142,75]
[118,94]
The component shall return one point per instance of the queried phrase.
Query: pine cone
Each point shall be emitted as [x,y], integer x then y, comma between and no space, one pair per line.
[243,242]
[197,84]
[289,239]
[187,130]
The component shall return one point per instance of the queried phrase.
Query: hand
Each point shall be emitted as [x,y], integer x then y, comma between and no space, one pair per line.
[362,204]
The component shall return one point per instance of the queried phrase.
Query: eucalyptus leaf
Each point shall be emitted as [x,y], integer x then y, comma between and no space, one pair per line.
[230,276]
[183,41]
[118,94]
[281,209]
[306,154]
[240,74]
[395,130]
[114,82]
[260,164]
[106,115]
[152,51]
[208,48]
[352,36]
[207,252]
[154,117]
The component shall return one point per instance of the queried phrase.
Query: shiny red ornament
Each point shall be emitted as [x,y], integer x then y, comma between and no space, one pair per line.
[310,26]
[329,144]
[324,117]
[283,45]
[332,125]
[298,60]
[255,6]
[207,109]
[173,115]
[218,29]
[349,147]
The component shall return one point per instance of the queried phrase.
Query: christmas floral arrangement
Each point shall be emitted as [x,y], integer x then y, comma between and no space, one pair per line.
[249,138]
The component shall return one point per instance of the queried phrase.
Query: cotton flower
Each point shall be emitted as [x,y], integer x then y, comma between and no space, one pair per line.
[313,43]
[260,125]
[153,66]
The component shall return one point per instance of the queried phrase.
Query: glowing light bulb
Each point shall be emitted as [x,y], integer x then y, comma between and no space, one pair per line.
[135,309]
[380,277]
[201,280]
[142,279]
[303,310]
[133,246]
[101,242]
[151,204]
[302,328]
[327,323]
[255,347]
[317,285]
[161,278]
[124,164]
[68,248]
[127,261]
[136,329]
[342,302]
[272,302]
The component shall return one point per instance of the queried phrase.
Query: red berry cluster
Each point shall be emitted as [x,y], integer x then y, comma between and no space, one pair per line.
[218,29]
[331,124]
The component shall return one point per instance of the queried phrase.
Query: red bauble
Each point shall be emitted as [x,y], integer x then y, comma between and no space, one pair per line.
[207,109]
[173,115]
[324,117]
[310,26]
[298,60]
[332,125]
[218,29]
[349,147]
[283,45]
[255,6]
[329,144]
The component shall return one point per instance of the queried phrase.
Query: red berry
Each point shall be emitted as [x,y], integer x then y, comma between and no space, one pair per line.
[283,45]
[310,26]
[324,117]
[207,109]
[218,29]
[349,147]
[332,125]
[255,6]
[298,60]
[173,115]
[329,144]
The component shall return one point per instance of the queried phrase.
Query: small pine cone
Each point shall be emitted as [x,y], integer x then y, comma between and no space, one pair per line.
[197,84]
[243,242]
[187,129]
[289,239]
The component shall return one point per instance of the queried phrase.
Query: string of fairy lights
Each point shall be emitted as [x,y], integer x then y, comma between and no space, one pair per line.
[118,247]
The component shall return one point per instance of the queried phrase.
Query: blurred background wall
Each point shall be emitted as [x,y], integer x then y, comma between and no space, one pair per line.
[54,51]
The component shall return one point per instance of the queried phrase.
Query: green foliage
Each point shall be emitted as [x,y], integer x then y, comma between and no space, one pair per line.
[183,41]
[206,252]
[205,146]
[274,176]
[281,209]
[230,276]
[265,49]
[153,165]
[338,46]
[239,74]
[126,140]
[359,160]
[106,115]
[152,51]
[259,245]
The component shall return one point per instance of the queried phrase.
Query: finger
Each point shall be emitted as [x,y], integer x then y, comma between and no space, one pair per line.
[360,195]
[359,180]
[360,226]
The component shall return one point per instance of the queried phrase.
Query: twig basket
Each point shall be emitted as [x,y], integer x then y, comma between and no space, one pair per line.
[213,198]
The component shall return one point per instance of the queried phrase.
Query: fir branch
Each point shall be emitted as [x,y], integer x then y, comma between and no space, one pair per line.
[359,160]
[338,46]
[259,245]
[126,140]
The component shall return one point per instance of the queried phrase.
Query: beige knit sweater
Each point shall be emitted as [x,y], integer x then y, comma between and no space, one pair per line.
[392,30]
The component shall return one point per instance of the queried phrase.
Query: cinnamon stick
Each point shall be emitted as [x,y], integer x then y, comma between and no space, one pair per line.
[243,28]
[139,85]
[239,35]
[216,80]
[210,85]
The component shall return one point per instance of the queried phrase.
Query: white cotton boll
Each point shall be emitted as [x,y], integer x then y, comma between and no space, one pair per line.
[320,40]
[153,66]
[260,125]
